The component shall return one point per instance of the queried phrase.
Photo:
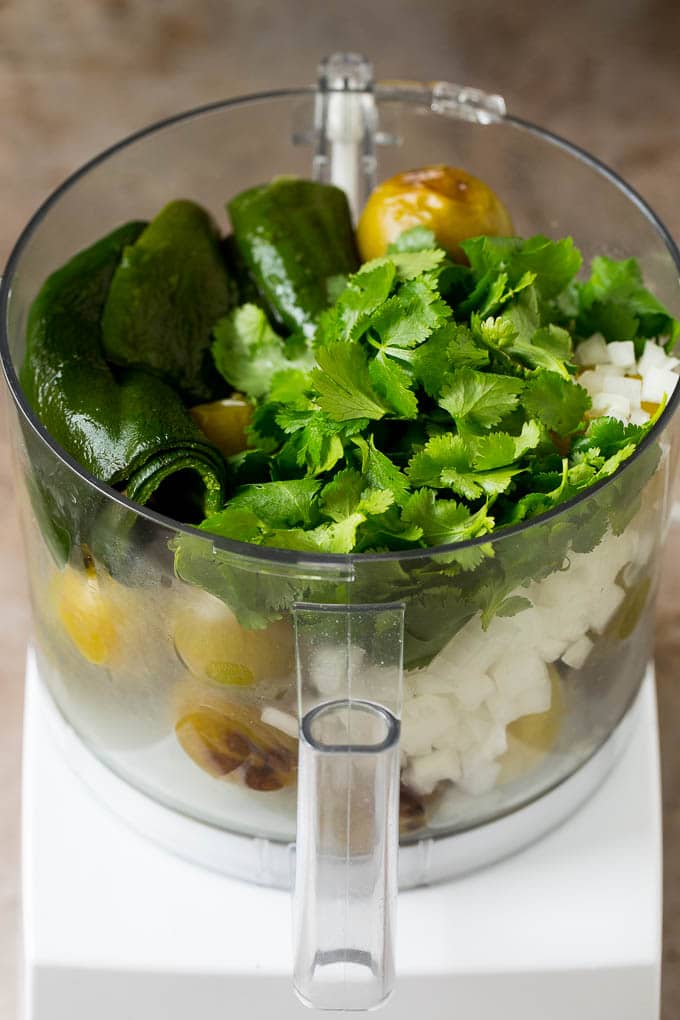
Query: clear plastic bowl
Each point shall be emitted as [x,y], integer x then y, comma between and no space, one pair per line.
[156,656]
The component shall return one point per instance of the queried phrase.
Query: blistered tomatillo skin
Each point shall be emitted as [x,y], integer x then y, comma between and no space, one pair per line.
[450,202]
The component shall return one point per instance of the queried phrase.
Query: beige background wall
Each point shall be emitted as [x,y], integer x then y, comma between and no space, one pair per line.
[76,75]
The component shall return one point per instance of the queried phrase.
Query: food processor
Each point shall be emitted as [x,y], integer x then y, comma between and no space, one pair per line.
[211,724]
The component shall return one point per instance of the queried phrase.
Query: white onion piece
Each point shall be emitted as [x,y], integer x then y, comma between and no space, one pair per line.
[658,383]
[624,387]
[622,353]
[611,404]
[425,771]
[280,721]
[593,351]
[577,653]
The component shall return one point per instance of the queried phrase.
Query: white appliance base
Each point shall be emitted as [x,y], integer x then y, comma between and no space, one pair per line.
[118,929]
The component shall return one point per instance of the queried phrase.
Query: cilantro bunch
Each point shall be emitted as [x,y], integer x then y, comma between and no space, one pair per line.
[435,403]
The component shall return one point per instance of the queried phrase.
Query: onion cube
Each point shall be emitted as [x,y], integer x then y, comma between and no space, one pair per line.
[481,779]
[471,691]
[653,355]
[516,674]
[591,381]
[280,720]
[622,353]
[658,383]
[624,387]
[611,404]
[425,771]
[426,720]
[576,654]
[638,416]
[593,351]
[533,701]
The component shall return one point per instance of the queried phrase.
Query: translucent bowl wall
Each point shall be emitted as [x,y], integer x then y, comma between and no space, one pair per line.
[179,613]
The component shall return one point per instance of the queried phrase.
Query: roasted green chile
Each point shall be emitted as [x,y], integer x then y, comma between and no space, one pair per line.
[129,429]
[169,289]
[293,235]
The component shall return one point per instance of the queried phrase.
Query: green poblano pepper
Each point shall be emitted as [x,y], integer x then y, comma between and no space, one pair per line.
[168,291]
[293,235]
[130,430]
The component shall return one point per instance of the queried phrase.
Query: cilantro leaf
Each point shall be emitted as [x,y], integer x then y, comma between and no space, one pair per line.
[379,471]
[279,504]
[317,441]
[365,292]
[451,461]
[443,521]
[414,239]
[615,303]
[490,254]
[608,436]
[552,263]
[290,386]
[344,385]
[480,399]
[248,352]
[519,339]
[411,264]
[499,448]
[555,263]
[451,346]
[409,316]
[393,383]
[338,537]
[340,498]
[348,494]
[513,605]
[557,402]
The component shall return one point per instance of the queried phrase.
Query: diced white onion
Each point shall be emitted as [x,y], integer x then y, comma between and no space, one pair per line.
[638,416]
[330,665]
[592,351]
[612,405]
[658,383]
[517,673]
[624,387]
[533,701]
[472,690]
[622,353]
[653,355]
[577,653]
[425,771]
[481,779]
[280,721]
[426,720]
[591,381]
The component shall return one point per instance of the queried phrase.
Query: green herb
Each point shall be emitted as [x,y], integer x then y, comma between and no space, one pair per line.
[250,354]
[615,303]
[435,404]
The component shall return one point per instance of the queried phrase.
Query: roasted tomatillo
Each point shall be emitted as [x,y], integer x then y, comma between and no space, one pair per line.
[450,202]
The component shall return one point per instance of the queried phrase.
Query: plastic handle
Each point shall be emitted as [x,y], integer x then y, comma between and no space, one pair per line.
[350,684]
[345,127]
